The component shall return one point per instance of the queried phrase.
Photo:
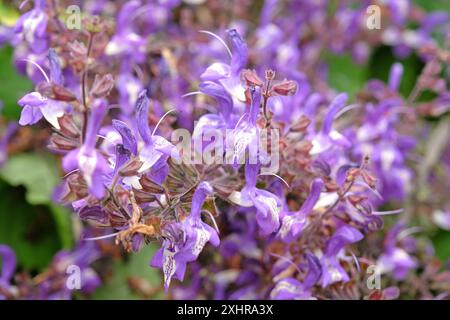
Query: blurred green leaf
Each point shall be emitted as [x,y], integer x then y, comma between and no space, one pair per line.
[63,221]
[344,74]
[381,62]
[137,266]
[29,230]
[441,242]
[36,171]
[434,5]
[13,86]
[38,174]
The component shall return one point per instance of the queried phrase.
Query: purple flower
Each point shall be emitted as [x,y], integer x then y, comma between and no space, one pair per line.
[87,158]
[396,259]
[81,258]
[129,88]
[35,105]
[126,42]
[246,136]
[155,147]
[8,259]
[267,205]
[332,269]
[328,137]
[222,82]
[32,27]
[290,288]
[228,75]
[293,222]
[127,149]
[4,140]
[6,35]
[185,240]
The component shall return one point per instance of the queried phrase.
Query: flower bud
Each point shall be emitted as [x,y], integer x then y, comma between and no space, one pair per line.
[102,86]
[285,88]
[55,91]
[60,143]
[270,74]
[301,124]
[251,78]
[68,126]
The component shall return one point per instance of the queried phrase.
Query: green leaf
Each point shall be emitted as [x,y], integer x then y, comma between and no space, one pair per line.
[63,221]
[29,230]
[14,86]
[441,242]
[36,171]
[344,74]
[137,266]
[381,62]
[440,5]
[38,174]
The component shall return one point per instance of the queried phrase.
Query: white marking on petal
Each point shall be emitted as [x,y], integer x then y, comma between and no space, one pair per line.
[87,164]
[201,239]
[271,203]
[238,198]
[169,266]
[326,199]
[51,112]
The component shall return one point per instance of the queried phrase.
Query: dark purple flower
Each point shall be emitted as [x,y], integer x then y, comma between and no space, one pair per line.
[155,147]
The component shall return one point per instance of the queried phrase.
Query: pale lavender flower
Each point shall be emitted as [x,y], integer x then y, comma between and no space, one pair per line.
[35,105]
[32,27]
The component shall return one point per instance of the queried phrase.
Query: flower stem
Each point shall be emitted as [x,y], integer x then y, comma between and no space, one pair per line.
[83,84]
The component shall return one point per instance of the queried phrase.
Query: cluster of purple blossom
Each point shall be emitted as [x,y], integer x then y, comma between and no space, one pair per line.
[311,230]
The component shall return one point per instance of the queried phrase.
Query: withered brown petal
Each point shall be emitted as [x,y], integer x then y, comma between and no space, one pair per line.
[150,186]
